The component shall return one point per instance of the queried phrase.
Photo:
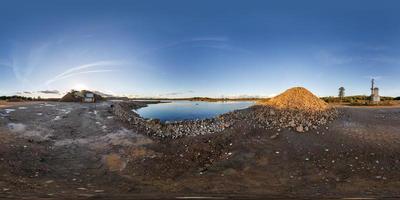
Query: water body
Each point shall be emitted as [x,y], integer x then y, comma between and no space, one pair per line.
[190,110]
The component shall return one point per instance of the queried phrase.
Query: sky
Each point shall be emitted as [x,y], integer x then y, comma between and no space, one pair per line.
[224,48]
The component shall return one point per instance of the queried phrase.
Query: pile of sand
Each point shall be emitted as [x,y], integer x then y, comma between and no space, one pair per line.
[70,97]
[297,98]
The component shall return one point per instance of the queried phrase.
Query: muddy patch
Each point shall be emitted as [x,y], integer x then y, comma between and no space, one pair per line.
[20,130]
[123,137]
[114,162]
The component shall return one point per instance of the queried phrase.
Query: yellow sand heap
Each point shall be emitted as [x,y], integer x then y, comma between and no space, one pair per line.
[297,98]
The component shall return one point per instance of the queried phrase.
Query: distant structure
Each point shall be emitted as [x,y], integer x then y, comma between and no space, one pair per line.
[83,96]
[374,92]
[89,97]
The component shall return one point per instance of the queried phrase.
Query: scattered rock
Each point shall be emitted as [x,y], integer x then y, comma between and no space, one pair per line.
[274,136]
[300,129]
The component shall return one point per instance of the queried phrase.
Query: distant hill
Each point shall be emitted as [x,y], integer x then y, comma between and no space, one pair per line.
[78,96]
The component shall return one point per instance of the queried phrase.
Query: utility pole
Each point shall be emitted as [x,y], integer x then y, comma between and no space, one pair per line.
[372,86]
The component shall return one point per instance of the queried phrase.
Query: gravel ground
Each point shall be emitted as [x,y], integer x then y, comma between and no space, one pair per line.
[59,150]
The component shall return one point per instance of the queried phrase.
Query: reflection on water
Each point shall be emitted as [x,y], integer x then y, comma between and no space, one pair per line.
[183,110]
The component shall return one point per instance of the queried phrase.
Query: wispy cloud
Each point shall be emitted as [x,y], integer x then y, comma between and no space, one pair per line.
[79,70]
[24,92]
[86,72]
[176,93]
[216,39]
[197,40]
[49,92]
[225,47]
[25,60]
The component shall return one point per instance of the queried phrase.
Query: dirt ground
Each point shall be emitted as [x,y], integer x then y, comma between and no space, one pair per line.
[63,150]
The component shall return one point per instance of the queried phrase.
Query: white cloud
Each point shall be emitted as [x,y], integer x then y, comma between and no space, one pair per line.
[78,70]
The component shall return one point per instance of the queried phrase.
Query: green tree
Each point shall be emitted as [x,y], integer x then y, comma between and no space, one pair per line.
[341,93]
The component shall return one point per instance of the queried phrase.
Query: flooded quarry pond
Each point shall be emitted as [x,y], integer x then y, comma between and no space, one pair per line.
[190,110]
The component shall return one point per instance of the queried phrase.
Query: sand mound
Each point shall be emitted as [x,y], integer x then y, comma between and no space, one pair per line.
[297,98]
[70,97]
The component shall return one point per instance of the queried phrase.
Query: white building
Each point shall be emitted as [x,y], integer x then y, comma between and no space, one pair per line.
[88,97]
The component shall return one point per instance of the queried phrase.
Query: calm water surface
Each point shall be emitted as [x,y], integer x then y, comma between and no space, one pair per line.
[190,110]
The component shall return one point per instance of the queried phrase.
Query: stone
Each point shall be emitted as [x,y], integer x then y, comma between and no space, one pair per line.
[300,129]
[274,136]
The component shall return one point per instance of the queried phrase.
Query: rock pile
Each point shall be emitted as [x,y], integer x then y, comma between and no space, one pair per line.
[269,117]
[296,108]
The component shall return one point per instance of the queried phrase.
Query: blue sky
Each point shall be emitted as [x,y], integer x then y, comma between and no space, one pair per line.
[199,48]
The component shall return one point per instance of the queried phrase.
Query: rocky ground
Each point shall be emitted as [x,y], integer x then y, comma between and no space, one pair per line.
[56,150]
[263,116]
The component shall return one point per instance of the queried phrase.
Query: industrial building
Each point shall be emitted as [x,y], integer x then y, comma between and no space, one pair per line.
[375,98]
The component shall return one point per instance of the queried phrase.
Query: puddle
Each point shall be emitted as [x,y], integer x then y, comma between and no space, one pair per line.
[57,118]
[22,108]
[39,114]
[39,135]
[66,111]
[16,127]
[9,110]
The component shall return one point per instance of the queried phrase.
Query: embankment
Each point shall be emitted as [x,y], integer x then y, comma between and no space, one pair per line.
[151,127]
